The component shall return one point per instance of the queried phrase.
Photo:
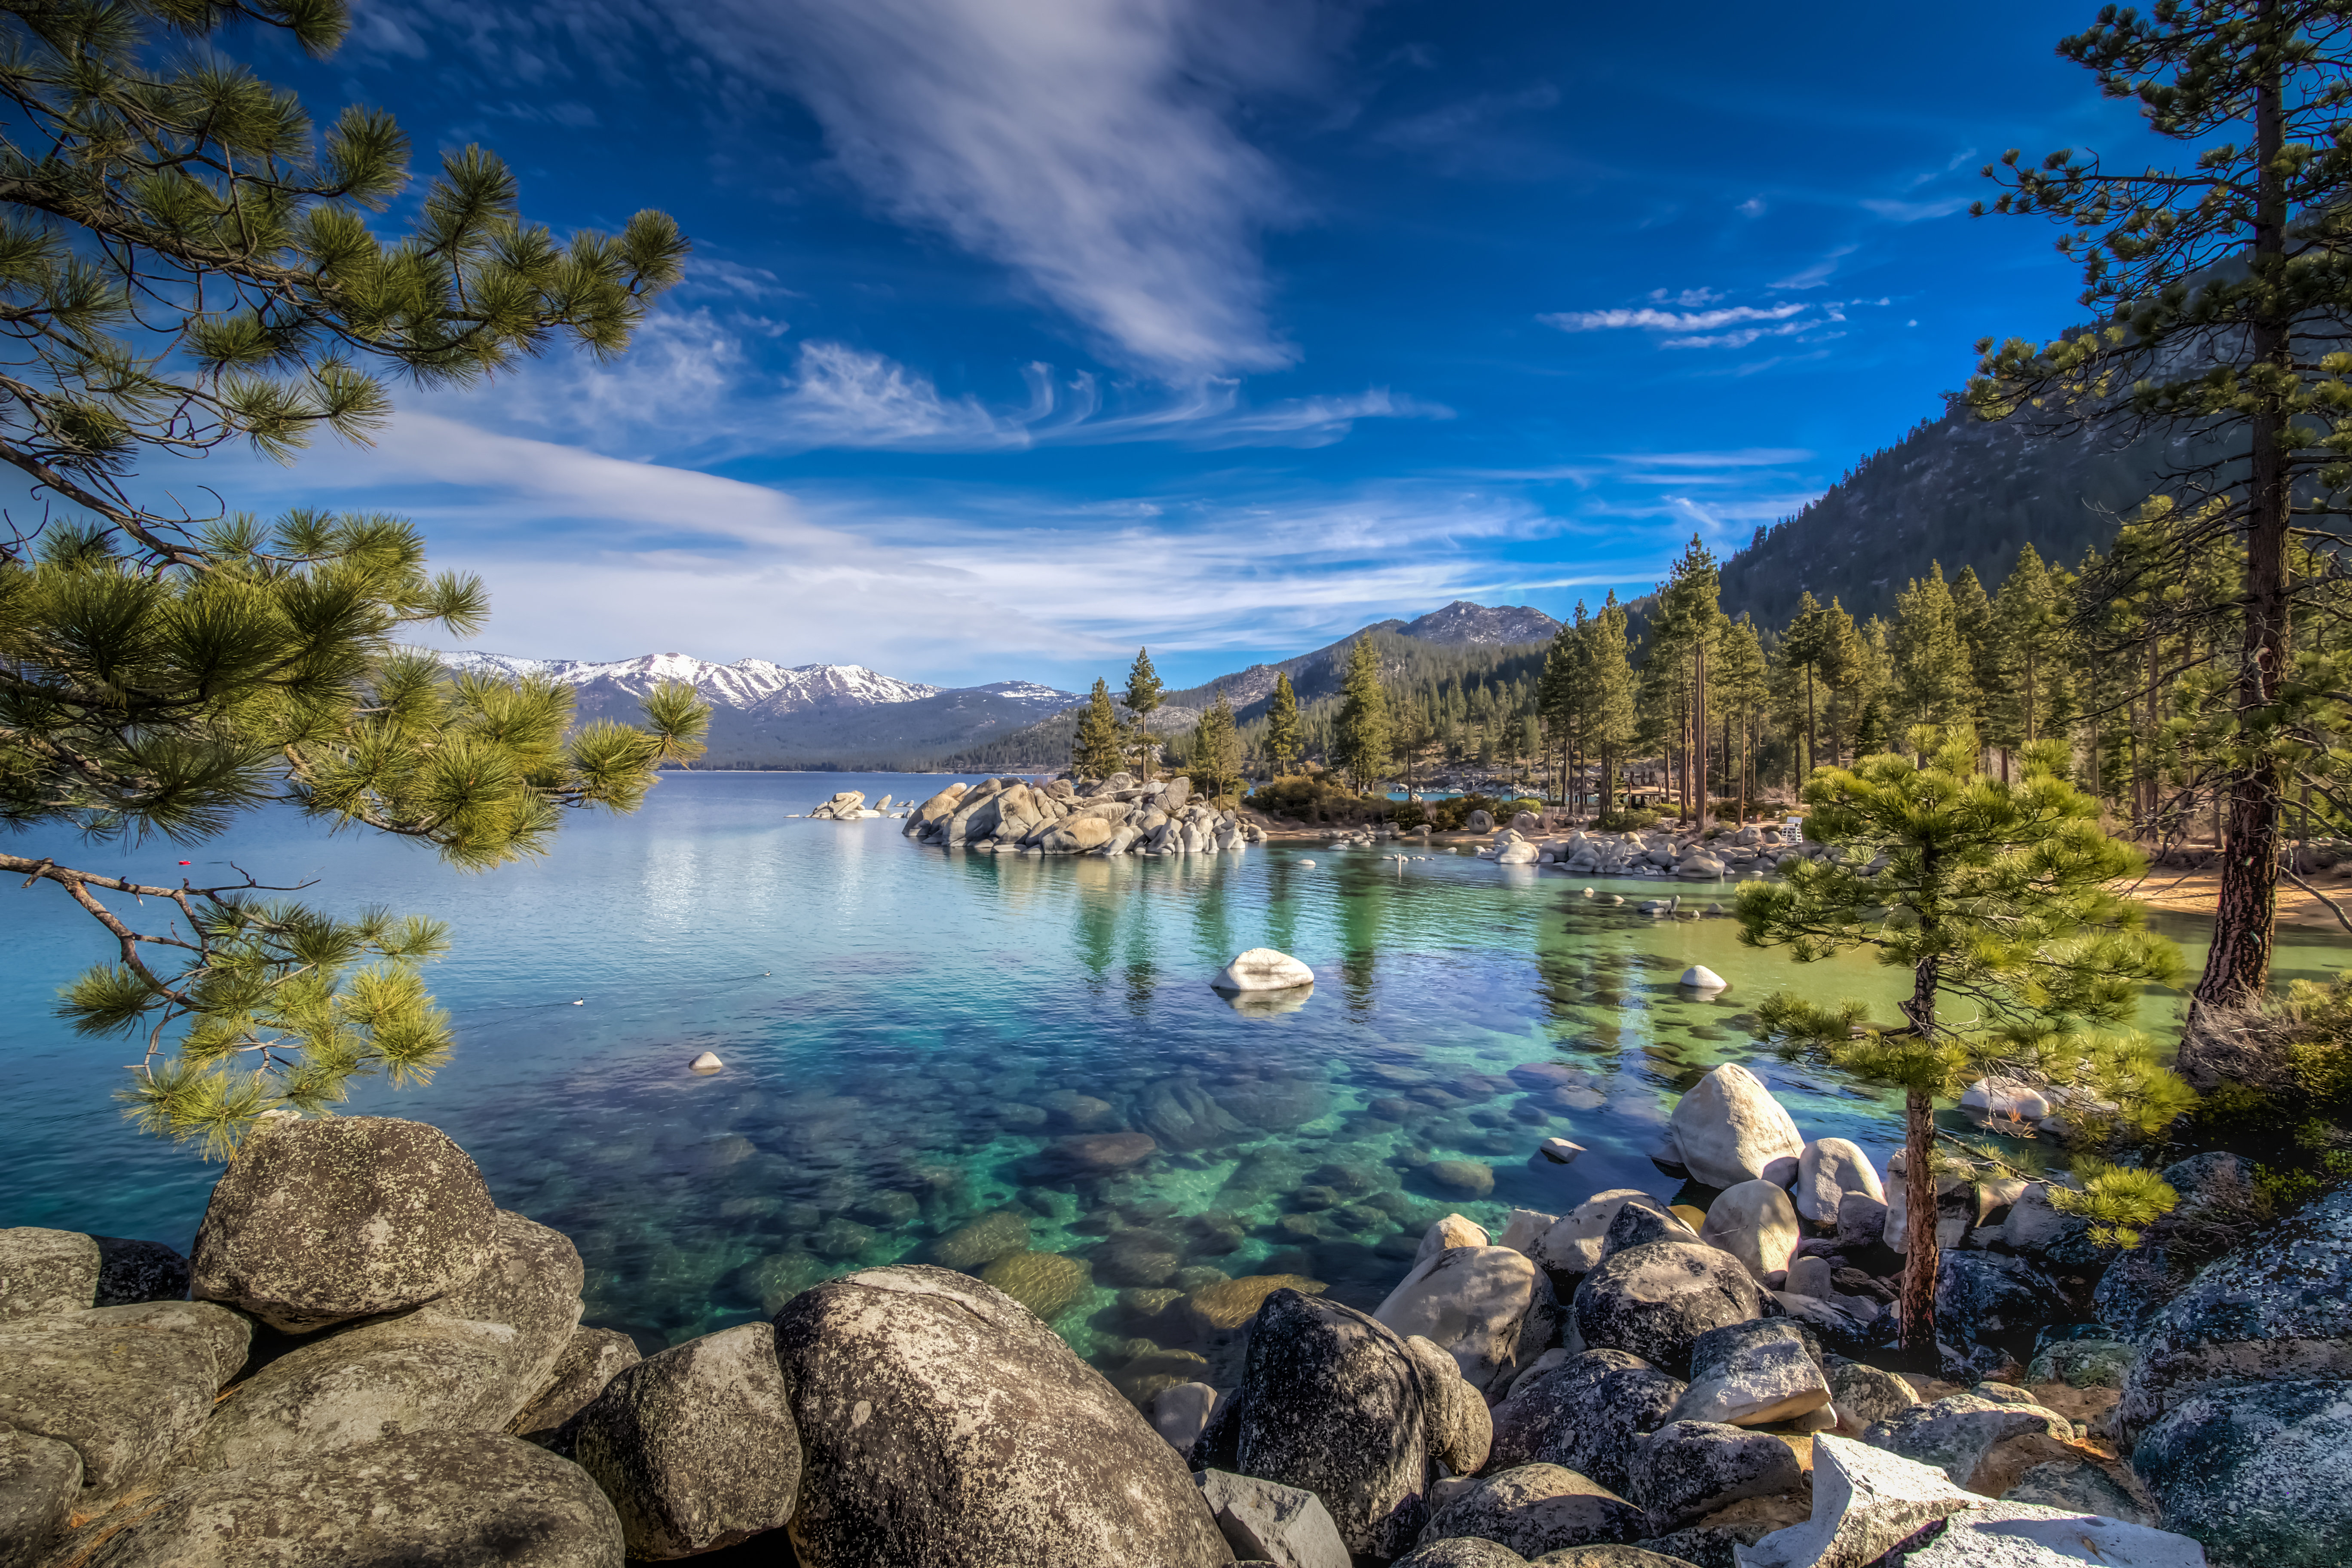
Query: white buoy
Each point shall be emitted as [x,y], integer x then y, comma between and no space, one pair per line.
[706,1062]
[1700,978]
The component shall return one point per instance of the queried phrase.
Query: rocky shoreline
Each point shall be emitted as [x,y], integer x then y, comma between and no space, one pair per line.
[363,1361]
[1115,815]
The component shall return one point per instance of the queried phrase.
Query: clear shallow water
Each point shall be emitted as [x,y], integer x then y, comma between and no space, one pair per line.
[904,1030]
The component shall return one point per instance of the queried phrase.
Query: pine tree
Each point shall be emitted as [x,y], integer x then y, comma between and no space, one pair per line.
[1933,679]
[2029,695]
[1609,678]
[1216,746]
[1996,898]
[1807,645]
[186,264]
[1972,617]
[1101,747]
[1742,692]
[1284,742]
[2227,299]
[1142,699]
[1359,738]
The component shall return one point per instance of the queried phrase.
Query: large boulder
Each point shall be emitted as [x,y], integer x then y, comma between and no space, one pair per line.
[1572,1246]
[2279,1308]
[1471,1301]
[40,1481]
[1753,1374]
[941,1423]
[696,1445]
[127,1388]
[45,1271]
[1988,1309]
[416,1373]
[2023,1535]
[1755,1222]
[1830,1169]
[532,1284]
[1588,1415]
[1655,1301]
[1266,1522]
[591,1359]
[1461,1427]
[1688,1469]
[454,1499]
[1730,1130]
[1865,1502]
[317,1221]
[2222,1209]
[1461,1551]
[2259,1472]
[1335,1402]
[1954,1434]
[1537,1508]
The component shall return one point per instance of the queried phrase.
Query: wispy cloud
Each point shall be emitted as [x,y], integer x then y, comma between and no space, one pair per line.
[981,585]
[1917,212]
[1819,273]
[1700,321]
[1075,142]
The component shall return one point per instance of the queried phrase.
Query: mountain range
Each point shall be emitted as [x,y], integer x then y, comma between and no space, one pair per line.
[767,715]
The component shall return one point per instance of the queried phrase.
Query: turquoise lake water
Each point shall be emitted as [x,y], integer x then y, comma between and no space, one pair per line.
[908,1033]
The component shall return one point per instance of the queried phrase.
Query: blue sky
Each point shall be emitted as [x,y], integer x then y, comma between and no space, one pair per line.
[1021,332]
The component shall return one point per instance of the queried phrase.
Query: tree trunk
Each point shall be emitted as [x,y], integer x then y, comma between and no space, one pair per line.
[1916,1303]
[2239,964]
[1812,730]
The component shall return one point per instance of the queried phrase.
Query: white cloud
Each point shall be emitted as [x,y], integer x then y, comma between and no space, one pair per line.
[988,584]
[1075,142]
[1752,207]
[1819,273]
[1700,321]
[1917,212]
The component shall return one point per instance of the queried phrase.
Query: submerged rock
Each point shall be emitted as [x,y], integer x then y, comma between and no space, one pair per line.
[941,1423]
[320,1221]
[1047,1283]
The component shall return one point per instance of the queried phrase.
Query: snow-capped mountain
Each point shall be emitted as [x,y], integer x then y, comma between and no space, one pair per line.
[768,714]
[746,683]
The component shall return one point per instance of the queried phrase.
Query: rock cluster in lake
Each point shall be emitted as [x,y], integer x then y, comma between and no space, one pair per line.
[1116,815]
[1747,851]
[381,1367]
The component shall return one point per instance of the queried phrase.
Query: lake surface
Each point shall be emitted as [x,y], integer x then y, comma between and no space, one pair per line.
[910,1033]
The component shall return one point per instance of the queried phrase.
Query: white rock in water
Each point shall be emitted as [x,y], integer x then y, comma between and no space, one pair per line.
[1588,892]
[1304,861]
[706,1062]
[1262,968]
[1699,977]
[1999,1098]
[1454,1230]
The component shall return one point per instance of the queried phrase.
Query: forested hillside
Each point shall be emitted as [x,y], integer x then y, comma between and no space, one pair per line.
[1957,490]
